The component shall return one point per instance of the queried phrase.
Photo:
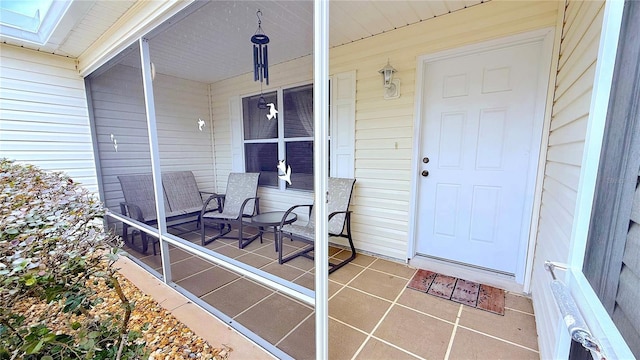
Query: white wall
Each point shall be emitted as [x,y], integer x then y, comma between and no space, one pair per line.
[570,114]
[43,114]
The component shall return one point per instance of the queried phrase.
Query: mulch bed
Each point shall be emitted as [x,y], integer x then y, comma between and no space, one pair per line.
[166,337]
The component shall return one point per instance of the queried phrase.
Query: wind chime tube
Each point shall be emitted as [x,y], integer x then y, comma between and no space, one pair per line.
[265,65]
[256,67]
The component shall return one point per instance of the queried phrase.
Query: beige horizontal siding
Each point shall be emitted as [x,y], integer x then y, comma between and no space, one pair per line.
[43,114]
[384,128]
[118,105]
[570,115]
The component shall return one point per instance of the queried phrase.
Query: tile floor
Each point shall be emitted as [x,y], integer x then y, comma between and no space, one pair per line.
[372,315]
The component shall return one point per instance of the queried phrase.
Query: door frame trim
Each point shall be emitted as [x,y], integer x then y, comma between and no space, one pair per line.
[541,125]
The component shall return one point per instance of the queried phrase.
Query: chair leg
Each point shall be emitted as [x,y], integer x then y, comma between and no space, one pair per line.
[222,228]
[334,267]
[242,241]
[303,252]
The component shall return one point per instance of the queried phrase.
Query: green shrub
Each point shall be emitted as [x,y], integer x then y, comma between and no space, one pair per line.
[52,245]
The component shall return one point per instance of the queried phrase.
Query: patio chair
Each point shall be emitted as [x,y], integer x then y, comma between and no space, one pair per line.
[339,197]
[183,203]
[239,203]
[183,195]
[139,204]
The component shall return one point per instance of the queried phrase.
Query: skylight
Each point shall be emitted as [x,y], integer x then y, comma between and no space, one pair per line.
[31,20]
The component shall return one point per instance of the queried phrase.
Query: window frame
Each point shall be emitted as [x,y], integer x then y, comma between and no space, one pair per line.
[281,140]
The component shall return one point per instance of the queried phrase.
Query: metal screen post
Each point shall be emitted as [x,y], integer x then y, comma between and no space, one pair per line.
[150,107]
[321,173]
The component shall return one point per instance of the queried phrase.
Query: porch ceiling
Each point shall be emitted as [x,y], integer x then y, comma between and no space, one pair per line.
[212,43]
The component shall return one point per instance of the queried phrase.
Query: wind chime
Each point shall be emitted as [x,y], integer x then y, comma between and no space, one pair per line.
[260,59]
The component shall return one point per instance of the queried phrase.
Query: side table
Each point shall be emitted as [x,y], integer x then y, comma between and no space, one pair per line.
[272,218]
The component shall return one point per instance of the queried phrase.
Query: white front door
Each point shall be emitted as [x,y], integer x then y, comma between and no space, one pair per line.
[479,140]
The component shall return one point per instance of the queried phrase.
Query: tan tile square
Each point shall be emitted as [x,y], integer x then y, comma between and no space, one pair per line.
[344,254]
[343,340]
[300,344]
[237,296]
[518,302]
[251,259]
[363,260]
[256,244]
[191,236]
[283,271]
[207,281]
[334,287]
[230,238]
[307,280]
[375,349]
[267,251]
[346,273]
[190,266]
[301,263]
[274,317]
[471,345]
[513,326]
[153,261]
[417,333]
[215,245]
[176,254]
[429,304]
[381,284]
[357,309]
[230,251]
[290,248]
[394,268]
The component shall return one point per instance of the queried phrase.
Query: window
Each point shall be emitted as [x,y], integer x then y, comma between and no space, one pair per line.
[33,21]
[257,144]
[288,136]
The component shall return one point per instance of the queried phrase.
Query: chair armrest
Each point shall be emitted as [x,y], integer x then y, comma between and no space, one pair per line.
[286,213]
[348,212]
[347,220]
[219,199]
[131,210]
[256,208]
[205,194]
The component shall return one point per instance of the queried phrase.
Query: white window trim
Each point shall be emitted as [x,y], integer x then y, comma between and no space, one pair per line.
[342,134]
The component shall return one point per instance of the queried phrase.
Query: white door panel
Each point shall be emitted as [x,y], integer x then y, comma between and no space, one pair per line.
[478,122]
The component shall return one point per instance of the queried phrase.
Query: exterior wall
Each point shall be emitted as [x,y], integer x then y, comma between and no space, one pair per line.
[43,114]
[570,114]
[384,128]
[118,107]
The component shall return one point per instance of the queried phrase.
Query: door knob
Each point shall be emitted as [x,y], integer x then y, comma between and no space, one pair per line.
[425,173]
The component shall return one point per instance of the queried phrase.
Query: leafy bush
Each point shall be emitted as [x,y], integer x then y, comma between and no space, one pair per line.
[53,251]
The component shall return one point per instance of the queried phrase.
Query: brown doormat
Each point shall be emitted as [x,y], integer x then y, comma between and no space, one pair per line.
[465,292]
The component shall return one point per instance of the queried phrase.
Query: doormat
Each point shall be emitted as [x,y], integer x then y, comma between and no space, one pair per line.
[465,292]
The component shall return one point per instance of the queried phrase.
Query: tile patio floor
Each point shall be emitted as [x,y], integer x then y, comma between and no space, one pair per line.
[372,315]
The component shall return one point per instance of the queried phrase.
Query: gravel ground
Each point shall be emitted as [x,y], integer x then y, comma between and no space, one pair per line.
[166,336]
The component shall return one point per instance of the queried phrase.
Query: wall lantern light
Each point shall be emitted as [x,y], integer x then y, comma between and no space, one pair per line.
[391,85]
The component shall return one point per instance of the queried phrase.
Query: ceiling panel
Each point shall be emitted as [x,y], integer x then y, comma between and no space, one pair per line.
[213,41]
